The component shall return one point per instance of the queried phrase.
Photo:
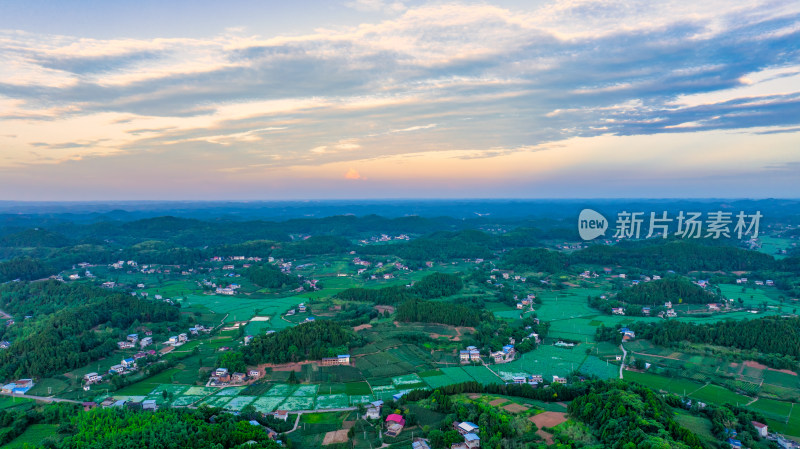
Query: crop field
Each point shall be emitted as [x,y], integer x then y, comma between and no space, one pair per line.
[547,360]
[266,404]
[780,379]
[715,394]
[770,408]
[239,402]
[200,391]
[229,391]
[596,367]
[216,401]
[678,386]
[383,364]
[482,375]
[384,392]
[174,389]
[361,399]
[402,382]
[294,403]
[282,390]
[357,388]
[789,427]
[306,390]
[183,401]
[329,401]
[412,355]
[244,308]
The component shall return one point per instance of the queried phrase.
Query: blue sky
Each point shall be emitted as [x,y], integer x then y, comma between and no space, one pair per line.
[387,99]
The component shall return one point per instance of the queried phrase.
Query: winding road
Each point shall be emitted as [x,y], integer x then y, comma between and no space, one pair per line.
[624,356]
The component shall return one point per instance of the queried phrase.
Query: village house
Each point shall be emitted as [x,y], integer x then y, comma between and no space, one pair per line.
[283,415]
[618,311]
[129,363]
[465,427]
[471,441]
[239,377]
[92,377]
[394,425]
[420,443]
[559,380]
[254,374]
[146,341]
[133,338]
[124,344]
[761,429]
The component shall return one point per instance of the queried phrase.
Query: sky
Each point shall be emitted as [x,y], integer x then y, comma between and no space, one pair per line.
[249,100]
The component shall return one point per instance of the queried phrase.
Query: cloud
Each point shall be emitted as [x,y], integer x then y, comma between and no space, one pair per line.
[469,80]
[353,174]
[377,5]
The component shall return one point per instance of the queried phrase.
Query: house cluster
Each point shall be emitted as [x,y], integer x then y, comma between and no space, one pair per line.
[18,387]
[504,355]
[342,359]
[468,431]
[230,290]
[221,377]
[126,366]
[5,344]
[122,264]
[471,354]
[670,313]
[177,340]
[768,282]
[384,238]
[533,380]
[527,302]
[130,342]
[199,328]
[110,402]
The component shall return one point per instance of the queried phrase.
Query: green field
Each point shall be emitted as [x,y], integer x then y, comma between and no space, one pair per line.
[715,394]
[547,360]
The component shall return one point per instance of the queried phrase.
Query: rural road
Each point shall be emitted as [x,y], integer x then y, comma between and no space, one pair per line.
[40,398]
[624,356]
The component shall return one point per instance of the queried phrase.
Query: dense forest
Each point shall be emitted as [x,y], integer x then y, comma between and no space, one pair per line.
[776,338]
[435,285]
[270,276]
[676,289]
[24,268]
[73,336]
[679,256]
[417,310]
[168,428]
[308,341]
[629,416]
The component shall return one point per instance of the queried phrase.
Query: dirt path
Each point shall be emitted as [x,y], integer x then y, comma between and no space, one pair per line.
[624,355]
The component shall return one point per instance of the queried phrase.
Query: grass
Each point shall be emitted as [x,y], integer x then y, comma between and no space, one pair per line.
[48,387]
